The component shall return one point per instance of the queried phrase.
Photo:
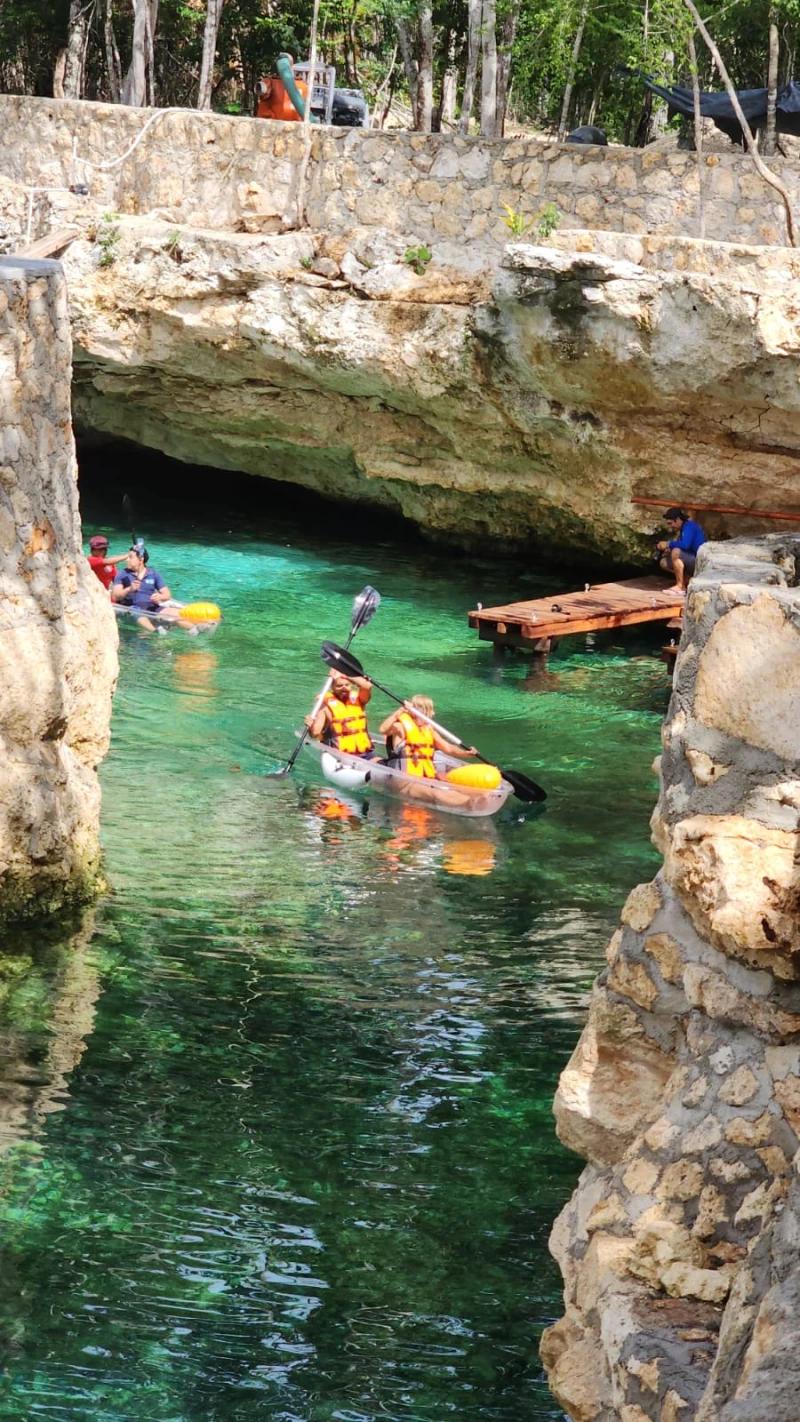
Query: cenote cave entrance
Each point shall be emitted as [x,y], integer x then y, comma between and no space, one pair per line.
[281,1145]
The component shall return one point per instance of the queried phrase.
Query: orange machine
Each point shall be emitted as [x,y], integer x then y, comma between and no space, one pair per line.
[274,101]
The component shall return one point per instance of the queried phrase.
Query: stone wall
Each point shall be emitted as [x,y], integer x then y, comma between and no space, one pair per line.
[57,633]
[680,1249]
[210,170]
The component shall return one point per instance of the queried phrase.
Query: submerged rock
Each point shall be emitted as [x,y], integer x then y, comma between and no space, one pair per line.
[58,638]
[679,1249]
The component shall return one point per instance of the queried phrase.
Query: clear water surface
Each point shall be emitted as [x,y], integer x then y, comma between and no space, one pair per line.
[275,1128]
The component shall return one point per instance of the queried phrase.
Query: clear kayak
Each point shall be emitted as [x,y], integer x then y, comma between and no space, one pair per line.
[170,612]
[351,772]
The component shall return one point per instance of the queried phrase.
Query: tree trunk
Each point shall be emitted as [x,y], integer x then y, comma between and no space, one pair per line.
[489,69]
[447,103]
[766,173]
[409,62]
[151,15]
[473,49]
[206,85]
[657,125]
[77,37]
[134,90]
[58,74]
[698,138]
[770,137]
[112,55]
[507,33]
[573,69]
[424,68]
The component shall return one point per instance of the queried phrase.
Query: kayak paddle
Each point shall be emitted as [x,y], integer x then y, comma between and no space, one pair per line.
[364,609]
[342,660]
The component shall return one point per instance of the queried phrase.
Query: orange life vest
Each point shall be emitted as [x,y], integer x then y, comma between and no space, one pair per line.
[414,754]
[347,729]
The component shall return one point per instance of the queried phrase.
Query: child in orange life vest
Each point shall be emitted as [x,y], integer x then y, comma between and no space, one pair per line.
[411,742]
[341,721]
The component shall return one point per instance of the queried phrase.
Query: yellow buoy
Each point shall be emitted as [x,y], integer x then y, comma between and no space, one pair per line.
[475,777]
[201,612]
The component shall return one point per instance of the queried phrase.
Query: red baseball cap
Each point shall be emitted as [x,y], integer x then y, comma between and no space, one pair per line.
[99,541]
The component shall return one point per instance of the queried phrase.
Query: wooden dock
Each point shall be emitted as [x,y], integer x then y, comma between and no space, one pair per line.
[534,626]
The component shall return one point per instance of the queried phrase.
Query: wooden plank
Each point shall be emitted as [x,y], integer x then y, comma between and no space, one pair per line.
[52,245]
[598,608]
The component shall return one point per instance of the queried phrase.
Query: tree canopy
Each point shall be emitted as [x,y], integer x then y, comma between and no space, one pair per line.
[542,63]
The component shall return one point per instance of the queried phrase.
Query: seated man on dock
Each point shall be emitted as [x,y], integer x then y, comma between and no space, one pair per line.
[679,555]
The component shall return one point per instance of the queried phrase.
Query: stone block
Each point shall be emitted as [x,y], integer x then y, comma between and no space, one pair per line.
[641,906]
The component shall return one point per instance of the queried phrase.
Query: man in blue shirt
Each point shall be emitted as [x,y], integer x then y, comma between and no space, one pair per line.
[140,589]
[679,555]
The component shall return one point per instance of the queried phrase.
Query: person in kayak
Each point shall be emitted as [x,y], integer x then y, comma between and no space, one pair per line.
[341,721]
[142,590]
[411,742]
[102,565]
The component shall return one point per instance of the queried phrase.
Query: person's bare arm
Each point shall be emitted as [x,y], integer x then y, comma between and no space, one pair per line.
[316,724]
[389,724]
[163,594]
[442,744]
[364,689]
[122,590]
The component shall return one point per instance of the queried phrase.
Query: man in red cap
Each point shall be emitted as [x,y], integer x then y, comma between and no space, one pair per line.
[100,563]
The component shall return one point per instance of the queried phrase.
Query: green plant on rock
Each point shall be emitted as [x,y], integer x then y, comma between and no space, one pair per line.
[108,235]
[547,220]
[173,243]
[306,263]
[417,258]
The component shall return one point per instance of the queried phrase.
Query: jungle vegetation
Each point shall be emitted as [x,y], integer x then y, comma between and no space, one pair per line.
[457,64]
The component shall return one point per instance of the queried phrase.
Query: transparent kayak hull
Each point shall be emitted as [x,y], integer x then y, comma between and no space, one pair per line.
[350,772]
[166,619]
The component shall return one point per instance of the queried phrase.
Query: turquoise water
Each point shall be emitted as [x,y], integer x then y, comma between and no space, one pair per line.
[275,1129]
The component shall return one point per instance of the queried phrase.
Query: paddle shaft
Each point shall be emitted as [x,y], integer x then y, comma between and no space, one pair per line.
[315,711]
[443,731]
[363,610]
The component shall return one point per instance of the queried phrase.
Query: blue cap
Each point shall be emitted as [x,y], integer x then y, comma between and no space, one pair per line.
[138,547]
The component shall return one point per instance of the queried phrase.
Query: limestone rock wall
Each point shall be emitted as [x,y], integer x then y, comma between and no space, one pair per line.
[680,1249]
[236,173]
[58,638]
[515,397]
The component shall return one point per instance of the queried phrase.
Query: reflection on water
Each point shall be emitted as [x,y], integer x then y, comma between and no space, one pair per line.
[302,1164]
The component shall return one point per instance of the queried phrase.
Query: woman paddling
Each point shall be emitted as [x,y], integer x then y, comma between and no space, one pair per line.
[411,741]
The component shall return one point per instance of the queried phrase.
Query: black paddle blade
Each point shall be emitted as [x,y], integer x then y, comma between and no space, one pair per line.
[524,788]
[339,660]
[364,608]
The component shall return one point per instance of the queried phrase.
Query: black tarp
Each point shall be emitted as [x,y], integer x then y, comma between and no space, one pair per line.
[719,108]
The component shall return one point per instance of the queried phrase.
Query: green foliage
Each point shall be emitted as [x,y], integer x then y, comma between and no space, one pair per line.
[548,220]
[108,235]
[360,38]
[417,258]
[306,263]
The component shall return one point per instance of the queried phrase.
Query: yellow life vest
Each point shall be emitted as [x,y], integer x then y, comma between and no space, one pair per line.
[414,753]
[347,729]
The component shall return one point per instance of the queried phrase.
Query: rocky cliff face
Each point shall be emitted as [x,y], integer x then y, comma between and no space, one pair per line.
[680,1249]
[57,634]
[516,399]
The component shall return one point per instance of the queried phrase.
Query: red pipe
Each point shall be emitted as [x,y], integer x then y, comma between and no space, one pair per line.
[717,508]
